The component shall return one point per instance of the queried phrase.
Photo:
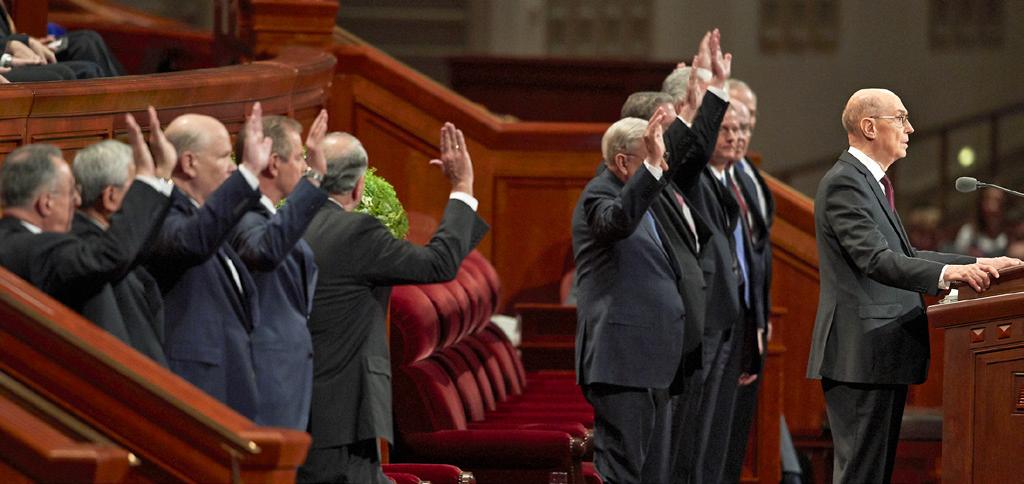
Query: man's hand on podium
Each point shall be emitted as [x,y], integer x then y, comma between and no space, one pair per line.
[1000,263]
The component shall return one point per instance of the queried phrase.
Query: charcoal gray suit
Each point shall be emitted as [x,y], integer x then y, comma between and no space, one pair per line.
[870,335]
[359,261]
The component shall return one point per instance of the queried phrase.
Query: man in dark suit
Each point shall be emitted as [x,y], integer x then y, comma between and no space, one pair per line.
[130,308]
[210,300]
[871,332]
[84,54]
[359,261]
[632,331]
[269,240]
[39,197]
[761,204]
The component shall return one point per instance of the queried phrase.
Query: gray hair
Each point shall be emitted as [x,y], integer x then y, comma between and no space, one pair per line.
[344,168]
[643,104]
[186,139]
[620,135]
[99,166]
[26,172]
[675,84]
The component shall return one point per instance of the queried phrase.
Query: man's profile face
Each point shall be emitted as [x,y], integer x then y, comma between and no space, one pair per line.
[733,136]
[892,139]
[64,199]
[214,163]
[746,97]
[291,170]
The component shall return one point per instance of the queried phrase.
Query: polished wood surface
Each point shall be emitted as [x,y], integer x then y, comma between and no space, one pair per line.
[983,391]
[544,89]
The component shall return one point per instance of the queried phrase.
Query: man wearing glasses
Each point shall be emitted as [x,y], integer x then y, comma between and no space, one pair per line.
[871,332]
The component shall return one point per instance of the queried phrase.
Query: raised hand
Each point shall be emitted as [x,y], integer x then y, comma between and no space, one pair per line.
[314,139]
[165,157]
[140,152]
[454,160]
[721,64]
[256,152]
[695,89]
[703,58]
[979,276]
[654,139]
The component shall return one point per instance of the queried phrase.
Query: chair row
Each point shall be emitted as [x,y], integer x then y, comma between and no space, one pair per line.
[461,394]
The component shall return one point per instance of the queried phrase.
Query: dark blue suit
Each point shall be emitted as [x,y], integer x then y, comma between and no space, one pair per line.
[283,267]
[207,320]
[632,323]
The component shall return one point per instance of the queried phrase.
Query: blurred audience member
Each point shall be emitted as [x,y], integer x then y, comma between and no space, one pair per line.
[985,236]
[923,227]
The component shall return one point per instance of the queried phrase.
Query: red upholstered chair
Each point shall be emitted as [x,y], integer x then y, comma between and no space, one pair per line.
[402,478]
[430,417]
[433,473]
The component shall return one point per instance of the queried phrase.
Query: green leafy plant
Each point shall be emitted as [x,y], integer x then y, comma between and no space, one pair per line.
[381,201]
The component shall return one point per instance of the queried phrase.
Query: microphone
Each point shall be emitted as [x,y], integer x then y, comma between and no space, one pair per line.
[967,184]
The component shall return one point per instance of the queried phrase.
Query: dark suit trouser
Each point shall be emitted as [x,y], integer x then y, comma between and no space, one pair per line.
[355,463]
[686,424]
[722,360]
[631,433]
[865,421]
[743,417]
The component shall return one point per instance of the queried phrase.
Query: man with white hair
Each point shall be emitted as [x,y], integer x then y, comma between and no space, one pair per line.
[39,197]
[870,337]
[130,308]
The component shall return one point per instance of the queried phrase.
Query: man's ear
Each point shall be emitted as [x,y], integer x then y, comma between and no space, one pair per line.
[274,166]
[44,204]
[107,199]
[868,128]
[187,164]
[620,162]
[357,191]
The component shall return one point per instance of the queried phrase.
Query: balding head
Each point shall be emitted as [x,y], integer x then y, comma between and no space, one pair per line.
[876,123]
[204,154]
[346,162]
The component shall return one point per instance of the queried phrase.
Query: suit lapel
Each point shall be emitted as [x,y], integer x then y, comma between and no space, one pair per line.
[883,202]
[678,219]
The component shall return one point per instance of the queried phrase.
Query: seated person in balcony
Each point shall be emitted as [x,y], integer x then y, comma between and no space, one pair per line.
[210,299]
[130,308]
[269,241]
[19,63]
[39,197]
[86,54]
[359,261]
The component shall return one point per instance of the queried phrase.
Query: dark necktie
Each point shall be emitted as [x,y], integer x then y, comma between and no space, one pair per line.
[889,195]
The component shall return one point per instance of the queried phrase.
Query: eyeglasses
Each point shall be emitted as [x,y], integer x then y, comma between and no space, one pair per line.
[901,119]
[735,130]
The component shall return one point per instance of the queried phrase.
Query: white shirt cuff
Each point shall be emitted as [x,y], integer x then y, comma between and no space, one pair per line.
[249,176]
[466,198]
[163,186]
[943,285]
[655,170]
[721,93]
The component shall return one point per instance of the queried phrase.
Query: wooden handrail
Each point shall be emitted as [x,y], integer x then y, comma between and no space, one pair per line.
[176,431]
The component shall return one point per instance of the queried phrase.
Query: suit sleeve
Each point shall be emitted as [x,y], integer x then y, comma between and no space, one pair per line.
[846,203]
[392,261]
[946,258]
[108,257]
[192,240]
[263,244]
[614,216]
[690,149]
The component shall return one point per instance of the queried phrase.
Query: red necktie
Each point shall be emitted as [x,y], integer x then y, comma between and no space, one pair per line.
[889,193]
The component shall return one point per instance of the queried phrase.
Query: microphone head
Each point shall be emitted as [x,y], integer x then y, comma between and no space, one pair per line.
[966,184]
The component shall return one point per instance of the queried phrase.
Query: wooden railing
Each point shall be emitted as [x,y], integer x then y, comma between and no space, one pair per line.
[176,431]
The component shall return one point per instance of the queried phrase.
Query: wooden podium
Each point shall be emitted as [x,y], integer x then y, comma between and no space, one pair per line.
[983,381]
